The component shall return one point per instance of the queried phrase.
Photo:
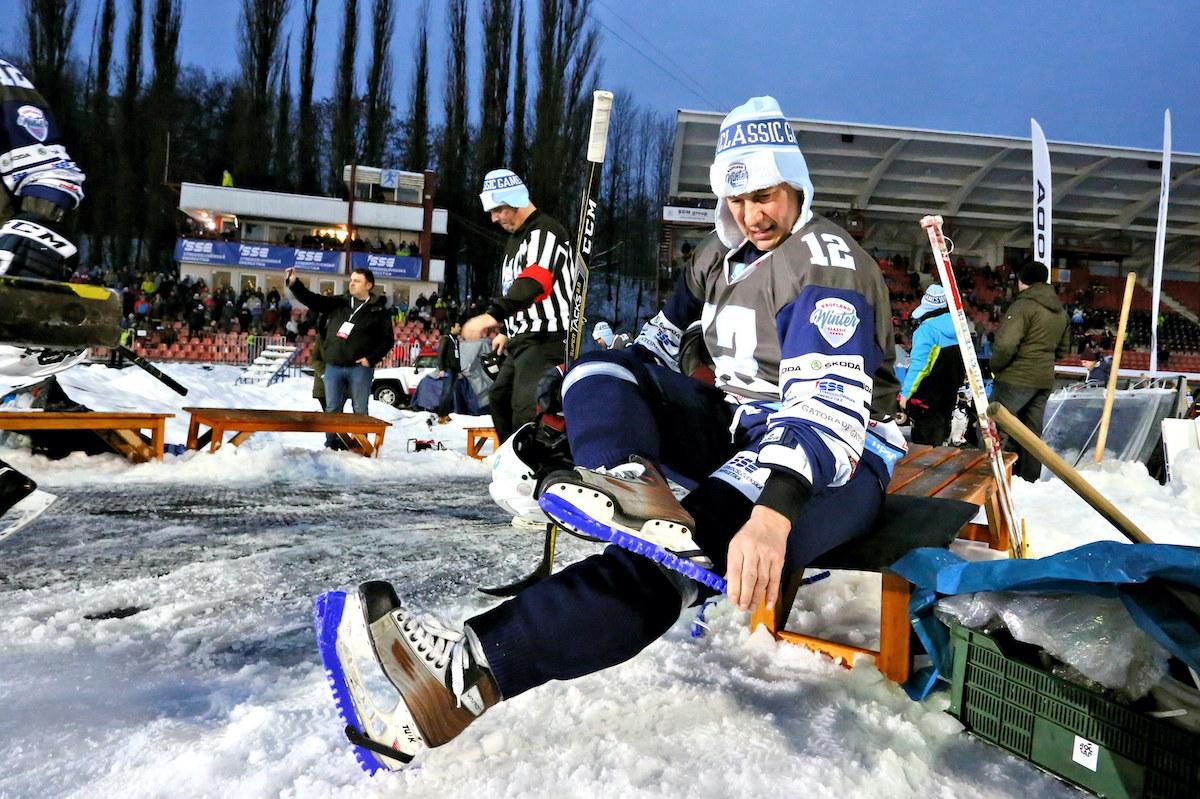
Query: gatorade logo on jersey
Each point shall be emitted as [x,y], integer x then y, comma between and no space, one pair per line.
[34,121]
[835,319]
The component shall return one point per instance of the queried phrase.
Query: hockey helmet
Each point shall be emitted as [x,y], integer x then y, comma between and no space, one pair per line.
[514,480]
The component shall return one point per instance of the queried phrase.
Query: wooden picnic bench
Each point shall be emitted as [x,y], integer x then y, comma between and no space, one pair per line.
[932,499]
[120,430]
[477,438]
[352,428]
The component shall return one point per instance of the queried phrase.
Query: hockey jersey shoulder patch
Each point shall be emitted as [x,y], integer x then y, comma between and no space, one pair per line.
[835,319]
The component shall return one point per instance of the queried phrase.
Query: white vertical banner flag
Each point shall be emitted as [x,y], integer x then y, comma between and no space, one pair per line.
[1160,237]
[1042,198]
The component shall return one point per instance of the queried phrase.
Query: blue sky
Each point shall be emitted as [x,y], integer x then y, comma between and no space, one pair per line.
[1097,72]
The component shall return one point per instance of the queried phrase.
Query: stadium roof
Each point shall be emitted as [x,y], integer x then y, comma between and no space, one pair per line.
[1105,199]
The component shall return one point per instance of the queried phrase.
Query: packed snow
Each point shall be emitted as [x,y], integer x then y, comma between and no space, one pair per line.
[158,643]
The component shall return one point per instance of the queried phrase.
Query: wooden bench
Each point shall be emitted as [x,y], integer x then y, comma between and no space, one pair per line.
[352,428]
[121,431]
[933,495]
[477,437]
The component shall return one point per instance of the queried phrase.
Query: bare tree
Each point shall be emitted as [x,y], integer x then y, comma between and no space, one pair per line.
[497,57]
[130,201]
[281,165]
[165,24]
[49,29]
[262,25]
[455,137]
[416,127]
[344,138]
[567,45]
[518,159]
[306,144]
[96,214]
[379,82]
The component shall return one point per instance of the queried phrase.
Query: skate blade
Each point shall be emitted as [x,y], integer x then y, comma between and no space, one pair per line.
[26,511]
[570,516]
[329,610]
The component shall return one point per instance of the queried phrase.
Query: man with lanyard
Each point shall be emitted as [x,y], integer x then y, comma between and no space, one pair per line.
[358,335]
[537,284]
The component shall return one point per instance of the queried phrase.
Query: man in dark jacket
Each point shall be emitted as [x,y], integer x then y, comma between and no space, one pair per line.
[448,369]
[358,335]
[1035,332]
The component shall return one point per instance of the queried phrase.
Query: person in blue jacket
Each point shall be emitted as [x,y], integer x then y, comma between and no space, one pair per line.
[935,370]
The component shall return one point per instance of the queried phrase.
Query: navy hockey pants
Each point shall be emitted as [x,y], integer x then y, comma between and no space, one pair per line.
[605,609]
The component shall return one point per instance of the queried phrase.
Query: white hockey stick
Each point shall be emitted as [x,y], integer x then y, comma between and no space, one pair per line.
[597,144]
[987,427]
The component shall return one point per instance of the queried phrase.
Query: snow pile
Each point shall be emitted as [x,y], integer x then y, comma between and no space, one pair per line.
[197,674]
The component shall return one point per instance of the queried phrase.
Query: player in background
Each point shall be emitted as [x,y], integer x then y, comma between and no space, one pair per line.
[41,185]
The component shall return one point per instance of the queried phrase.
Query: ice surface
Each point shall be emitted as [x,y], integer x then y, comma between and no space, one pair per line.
[206,681]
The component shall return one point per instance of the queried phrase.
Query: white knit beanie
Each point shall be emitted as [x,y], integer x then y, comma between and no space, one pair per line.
[757,149]
[503,187]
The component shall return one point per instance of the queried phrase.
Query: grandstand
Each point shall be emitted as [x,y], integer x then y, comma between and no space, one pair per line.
[877,182]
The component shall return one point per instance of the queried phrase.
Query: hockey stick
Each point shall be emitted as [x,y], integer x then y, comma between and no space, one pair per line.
[1040,450]
[154,371]
[987,428]
[597,144]
[540,573]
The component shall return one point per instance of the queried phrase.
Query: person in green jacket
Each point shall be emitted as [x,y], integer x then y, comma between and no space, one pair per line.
[1035,332]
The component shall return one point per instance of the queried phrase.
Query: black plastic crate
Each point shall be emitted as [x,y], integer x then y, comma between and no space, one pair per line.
[1070,731]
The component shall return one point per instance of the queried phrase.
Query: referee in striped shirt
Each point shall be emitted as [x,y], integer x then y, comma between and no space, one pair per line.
[533,312]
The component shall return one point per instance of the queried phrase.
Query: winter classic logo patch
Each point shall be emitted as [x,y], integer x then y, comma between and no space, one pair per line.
[33,120]
[835,319]
[737,176]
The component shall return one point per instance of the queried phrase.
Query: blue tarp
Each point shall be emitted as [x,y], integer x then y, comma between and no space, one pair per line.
[1147,578]
[428,396]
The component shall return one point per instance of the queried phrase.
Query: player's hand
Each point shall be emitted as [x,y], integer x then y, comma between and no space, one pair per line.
[476,326]
[499,343]
[289,275]
[31,246]
[756,558]
[902,400]
[363,362]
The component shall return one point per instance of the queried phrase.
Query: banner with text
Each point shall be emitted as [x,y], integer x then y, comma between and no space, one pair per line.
[405,267]
[261,256]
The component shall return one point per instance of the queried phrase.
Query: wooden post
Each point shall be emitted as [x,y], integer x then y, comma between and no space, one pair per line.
[1111,392]
[1038,448]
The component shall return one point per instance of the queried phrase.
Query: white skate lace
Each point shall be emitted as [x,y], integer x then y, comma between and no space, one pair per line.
[441,647]
[622,471]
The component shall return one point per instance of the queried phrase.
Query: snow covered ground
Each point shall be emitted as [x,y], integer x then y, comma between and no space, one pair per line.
[158,643]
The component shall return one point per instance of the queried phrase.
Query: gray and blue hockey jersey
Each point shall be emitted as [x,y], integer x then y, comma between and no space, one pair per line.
[33,160]
[803,334]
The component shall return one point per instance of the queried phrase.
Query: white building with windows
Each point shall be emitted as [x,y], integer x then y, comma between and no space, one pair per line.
[247,238]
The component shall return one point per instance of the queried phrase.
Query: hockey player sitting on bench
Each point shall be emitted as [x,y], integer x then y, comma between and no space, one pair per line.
[791,453]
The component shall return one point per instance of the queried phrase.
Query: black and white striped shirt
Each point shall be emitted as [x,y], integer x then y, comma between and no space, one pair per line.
[537,278]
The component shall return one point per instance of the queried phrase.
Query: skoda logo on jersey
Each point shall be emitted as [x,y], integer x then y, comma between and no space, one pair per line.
[835,319]
[33,120]
[737,176]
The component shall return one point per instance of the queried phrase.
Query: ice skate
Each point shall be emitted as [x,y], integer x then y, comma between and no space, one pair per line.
[632,506]
[437,681]
[20,500]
